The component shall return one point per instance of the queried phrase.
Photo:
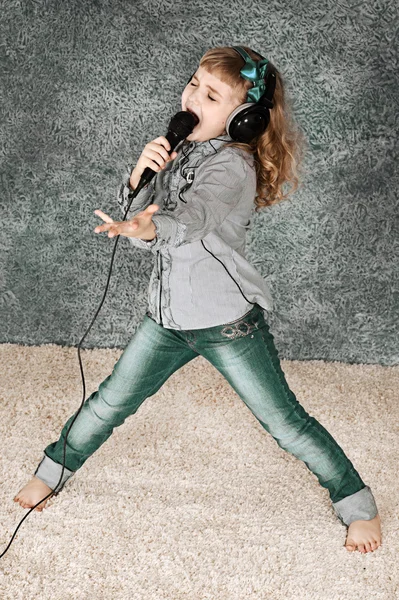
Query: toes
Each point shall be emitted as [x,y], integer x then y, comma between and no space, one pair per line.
[367,545]
[375,545]
[350,545]
[361,548]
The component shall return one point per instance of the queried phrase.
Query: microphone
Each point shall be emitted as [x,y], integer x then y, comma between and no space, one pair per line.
[180,126]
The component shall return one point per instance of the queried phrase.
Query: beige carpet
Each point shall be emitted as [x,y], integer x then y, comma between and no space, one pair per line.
[190,498]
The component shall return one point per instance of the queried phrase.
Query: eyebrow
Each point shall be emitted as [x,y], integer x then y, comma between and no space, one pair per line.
[208,86]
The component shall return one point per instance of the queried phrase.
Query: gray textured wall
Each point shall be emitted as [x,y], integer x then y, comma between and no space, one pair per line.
[85,85]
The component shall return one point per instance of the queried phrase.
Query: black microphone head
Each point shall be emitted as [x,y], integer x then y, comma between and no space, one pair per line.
[182,124]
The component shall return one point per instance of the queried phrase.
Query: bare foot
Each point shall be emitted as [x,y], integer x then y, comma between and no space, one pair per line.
[32,492]
[364,535]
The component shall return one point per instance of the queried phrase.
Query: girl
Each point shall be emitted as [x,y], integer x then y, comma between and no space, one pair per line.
[204,297]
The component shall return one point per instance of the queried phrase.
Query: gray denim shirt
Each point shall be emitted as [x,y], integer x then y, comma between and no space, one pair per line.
[206,194]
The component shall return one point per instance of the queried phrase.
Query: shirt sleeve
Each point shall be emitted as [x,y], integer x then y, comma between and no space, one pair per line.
[125,192]
[219,184]
[139,203]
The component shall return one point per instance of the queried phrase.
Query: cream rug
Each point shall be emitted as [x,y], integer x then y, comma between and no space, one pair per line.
[191,498]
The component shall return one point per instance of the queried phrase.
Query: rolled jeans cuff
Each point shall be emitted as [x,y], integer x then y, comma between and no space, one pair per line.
[49,472]
[358,506]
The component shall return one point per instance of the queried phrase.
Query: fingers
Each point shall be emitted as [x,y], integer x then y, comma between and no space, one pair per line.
[125,228]
[152,208]
[166,144]
[157,153]
[110,227]
[162,140]
[103,216]
[145,215]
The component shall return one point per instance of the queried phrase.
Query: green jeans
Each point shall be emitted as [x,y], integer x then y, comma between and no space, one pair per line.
[244,353]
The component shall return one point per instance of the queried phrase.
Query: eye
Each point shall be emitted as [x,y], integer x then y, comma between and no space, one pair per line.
[210,97]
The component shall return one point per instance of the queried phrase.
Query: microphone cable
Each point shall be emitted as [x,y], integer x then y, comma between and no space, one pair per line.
[53,492]
[180,127]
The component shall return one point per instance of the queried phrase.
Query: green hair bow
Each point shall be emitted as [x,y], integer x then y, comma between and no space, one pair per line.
[254,71]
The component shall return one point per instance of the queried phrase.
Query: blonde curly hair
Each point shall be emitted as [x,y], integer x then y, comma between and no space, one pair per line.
[278,152]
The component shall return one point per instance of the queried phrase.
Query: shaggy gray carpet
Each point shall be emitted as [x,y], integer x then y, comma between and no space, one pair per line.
[190,498]
[88,84]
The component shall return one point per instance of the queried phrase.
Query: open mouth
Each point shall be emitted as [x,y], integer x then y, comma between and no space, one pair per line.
[193,113]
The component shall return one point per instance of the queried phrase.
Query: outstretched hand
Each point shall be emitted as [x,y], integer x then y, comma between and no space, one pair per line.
[141,226]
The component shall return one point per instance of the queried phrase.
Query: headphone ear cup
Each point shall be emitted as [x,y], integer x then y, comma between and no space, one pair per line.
[247,121]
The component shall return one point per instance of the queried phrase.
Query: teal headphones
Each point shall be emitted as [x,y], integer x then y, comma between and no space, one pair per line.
[249,120]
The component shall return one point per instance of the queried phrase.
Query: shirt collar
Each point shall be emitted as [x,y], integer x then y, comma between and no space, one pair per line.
[206,147]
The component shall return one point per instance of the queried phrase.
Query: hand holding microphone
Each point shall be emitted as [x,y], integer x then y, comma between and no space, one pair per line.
[180,127]
[154,156]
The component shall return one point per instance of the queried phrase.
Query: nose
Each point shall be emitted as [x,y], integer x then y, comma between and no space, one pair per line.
[193,95]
